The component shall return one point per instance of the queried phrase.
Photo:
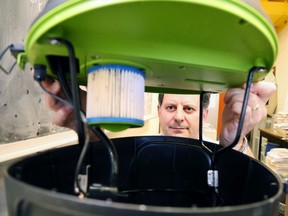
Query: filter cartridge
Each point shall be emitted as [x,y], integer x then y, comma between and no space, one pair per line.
[115,97]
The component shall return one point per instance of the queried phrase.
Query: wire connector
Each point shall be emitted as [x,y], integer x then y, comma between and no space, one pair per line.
[39,72]
[212,178]
[99,191]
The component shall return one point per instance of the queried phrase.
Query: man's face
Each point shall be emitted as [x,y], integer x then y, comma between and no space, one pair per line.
[179,115]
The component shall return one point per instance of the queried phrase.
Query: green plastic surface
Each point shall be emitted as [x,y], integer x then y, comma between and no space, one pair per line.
[183,45]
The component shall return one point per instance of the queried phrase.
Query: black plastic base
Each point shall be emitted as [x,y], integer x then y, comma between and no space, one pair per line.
[157,176]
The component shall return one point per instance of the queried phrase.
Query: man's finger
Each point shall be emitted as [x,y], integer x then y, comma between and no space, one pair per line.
[263,89]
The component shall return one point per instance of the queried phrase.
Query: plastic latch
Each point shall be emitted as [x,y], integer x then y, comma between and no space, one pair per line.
[22,60]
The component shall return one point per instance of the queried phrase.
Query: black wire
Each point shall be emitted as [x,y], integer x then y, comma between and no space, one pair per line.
[64,84]
[113,156]
[77,108]
[81,160]
[54,95]
[74,88]
[12,67]
[112,153]
[80,128]
[243,109]
[216,196]
[84,151]
[214,190]
[1,56]
[86,143]
[201,117]
[5,50]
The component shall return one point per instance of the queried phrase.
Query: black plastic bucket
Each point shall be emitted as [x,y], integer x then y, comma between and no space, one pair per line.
[158,175]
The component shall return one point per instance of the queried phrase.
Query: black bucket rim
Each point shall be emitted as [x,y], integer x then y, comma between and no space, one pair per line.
[140,207]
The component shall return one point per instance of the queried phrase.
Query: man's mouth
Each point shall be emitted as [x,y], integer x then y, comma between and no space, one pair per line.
[178,128]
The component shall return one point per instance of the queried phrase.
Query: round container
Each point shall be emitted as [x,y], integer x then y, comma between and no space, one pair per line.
[158,175]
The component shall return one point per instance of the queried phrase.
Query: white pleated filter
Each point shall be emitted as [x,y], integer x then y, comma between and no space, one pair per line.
[115,97]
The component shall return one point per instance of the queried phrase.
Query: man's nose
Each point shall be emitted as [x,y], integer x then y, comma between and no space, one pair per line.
[179,115]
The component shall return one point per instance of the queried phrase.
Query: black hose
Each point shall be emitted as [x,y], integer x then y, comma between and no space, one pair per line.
[75,89]
[243,109]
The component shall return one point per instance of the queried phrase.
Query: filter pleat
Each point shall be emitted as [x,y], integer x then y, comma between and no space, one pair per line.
[115,97]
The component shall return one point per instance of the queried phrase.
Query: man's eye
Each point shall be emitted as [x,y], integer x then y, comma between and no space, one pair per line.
[189,109]
[170,108]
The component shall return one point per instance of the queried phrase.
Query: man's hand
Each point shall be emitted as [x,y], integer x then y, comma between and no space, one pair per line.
[260,93]
[64,115]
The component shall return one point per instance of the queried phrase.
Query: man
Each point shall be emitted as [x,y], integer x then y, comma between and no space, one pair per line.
[179,114]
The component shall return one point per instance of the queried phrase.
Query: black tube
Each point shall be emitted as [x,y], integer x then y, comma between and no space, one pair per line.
[243,109]
[64,84]
[201,117]
[75,89]
[80,127]
[112,155]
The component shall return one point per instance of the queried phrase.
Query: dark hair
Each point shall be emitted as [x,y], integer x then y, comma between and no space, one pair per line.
[206,99]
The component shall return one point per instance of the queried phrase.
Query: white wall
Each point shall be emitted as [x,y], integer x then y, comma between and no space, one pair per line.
[282,71]
[281,64]
[213,111]
[23,115]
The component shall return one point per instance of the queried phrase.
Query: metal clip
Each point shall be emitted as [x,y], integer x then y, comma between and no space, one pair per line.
[83,180]
[212,178]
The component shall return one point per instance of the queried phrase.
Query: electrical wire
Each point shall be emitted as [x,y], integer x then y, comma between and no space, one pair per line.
[5,50]
[80,117]
[82,157]
[54,95]
[83,140]
[1,56]
[243,109]
[64,84]
[201,117]
[74,87]
[112,155]
[216,196]
[86,143]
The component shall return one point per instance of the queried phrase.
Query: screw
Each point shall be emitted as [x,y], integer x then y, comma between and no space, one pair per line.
[54,42]
[95,57]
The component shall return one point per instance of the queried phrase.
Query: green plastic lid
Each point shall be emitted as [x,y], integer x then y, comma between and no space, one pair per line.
[182,45]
